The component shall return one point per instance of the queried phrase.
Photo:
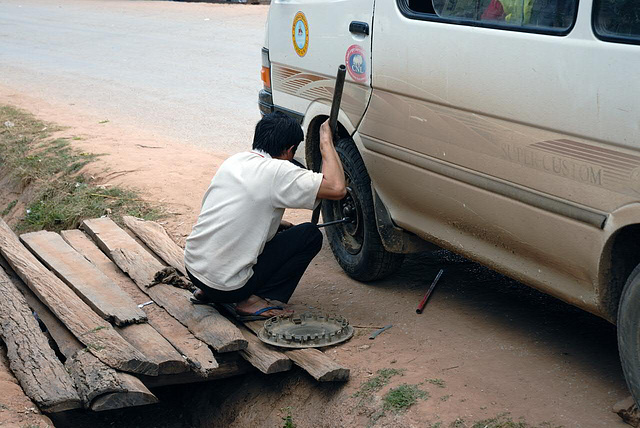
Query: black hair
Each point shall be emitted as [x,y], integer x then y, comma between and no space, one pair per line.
[276,132]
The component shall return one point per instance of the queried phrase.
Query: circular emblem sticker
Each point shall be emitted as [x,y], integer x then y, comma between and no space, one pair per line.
[300,34]
[356,63]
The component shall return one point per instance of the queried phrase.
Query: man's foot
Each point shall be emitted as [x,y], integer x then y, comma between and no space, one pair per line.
[201,297]
[254,304]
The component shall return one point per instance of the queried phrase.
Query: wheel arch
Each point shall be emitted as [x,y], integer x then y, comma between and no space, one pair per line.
[619,257]
[315,115]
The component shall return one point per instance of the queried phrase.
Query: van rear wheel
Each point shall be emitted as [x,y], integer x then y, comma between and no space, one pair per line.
[629,333]
[356,245]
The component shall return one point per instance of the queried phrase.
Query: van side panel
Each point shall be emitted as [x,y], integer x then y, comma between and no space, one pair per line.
[540,113]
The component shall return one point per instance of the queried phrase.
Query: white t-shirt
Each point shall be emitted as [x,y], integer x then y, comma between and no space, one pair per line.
[241,211]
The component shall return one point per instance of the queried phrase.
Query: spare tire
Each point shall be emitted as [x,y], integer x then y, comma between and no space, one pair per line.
[357,245]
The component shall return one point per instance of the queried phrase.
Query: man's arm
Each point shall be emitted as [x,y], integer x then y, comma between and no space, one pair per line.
[333,185]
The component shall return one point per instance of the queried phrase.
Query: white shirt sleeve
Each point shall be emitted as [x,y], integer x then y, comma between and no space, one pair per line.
[295,187]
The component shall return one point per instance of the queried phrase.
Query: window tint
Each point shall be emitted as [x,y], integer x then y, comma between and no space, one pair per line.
[538,15]
[617,19]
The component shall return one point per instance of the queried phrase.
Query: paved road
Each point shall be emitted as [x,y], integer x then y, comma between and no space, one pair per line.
[181,70]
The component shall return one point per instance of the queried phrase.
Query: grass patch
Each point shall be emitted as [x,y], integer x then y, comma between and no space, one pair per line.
[399,399]
[377,382]
[287,419]
[64,196]
[9,207]
[437,382]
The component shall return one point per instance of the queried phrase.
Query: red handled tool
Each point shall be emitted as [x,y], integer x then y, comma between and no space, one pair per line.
[426,296]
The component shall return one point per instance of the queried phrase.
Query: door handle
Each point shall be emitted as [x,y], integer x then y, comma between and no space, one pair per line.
[359,27]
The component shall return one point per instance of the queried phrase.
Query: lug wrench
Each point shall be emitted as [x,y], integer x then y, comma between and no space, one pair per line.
[333,121]
[334,222]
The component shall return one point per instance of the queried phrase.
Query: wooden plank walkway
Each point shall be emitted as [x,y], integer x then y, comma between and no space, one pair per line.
[92,377]
[96,334]
[196,352]
[118,331]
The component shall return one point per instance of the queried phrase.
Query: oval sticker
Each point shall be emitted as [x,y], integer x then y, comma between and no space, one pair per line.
[356,63]
[300,34]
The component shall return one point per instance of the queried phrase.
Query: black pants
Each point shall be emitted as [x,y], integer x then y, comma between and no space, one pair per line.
[279,268]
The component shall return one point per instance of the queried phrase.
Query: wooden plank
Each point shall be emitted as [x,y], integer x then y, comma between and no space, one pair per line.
[263,357]
[206,323]
[33,362]
[17,409]
[105,297]
[231,364]
[202,320]
[87,326]
[156,238]
[91,285]
[92,377]
[151,343]
[136,394]
[318,365]
[197,353]
[313,361]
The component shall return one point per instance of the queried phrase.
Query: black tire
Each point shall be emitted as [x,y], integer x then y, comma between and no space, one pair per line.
[357,246]
[629,333]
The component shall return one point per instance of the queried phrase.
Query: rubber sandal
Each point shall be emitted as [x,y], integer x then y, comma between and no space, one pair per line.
[256,316]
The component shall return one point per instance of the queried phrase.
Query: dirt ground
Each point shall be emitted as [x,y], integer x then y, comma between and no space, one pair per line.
[496,346]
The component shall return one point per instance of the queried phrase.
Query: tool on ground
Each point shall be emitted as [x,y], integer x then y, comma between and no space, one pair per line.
[142,305]
[426,296]
[333,121]
[380,330]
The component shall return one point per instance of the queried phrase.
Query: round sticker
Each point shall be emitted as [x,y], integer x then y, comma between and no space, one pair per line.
[356,63]
[300,34]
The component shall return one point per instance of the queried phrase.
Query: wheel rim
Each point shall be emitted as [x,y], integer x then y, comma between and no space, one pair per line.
[351,233]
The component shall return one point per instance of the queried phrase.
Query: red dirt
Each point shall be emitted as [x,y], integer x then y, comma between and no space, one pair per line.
[499,346]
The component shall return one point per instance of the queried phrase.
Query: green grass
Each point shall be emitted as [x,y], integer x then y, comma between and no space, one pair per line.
[377,382]
[437,382]
[9,207]
[287,419]
[63,195]
[399,399]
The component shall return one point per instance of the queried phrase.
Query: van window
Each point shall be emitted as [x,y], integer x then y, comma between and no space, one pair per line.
[552,16]
[617,20]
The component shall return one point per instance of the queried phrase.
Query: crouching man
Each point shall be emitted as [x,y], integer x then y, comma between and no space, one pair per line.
[240,250]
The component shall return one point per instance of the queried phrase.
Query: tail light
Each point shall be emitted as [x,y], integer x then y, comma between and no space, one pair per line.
[265,73]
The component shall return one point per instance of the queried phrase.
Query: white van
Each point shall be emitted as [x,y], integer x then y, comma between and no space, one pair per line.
[507,131]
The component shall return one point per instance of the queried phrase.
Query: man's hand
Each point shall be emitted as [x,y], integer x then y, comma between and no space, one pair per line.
[326,139]
[333,185]
[284,225]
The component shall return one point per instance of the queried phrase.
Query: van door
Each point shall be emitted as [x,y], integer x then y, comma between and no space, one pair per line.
[504,130]
[308,40]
